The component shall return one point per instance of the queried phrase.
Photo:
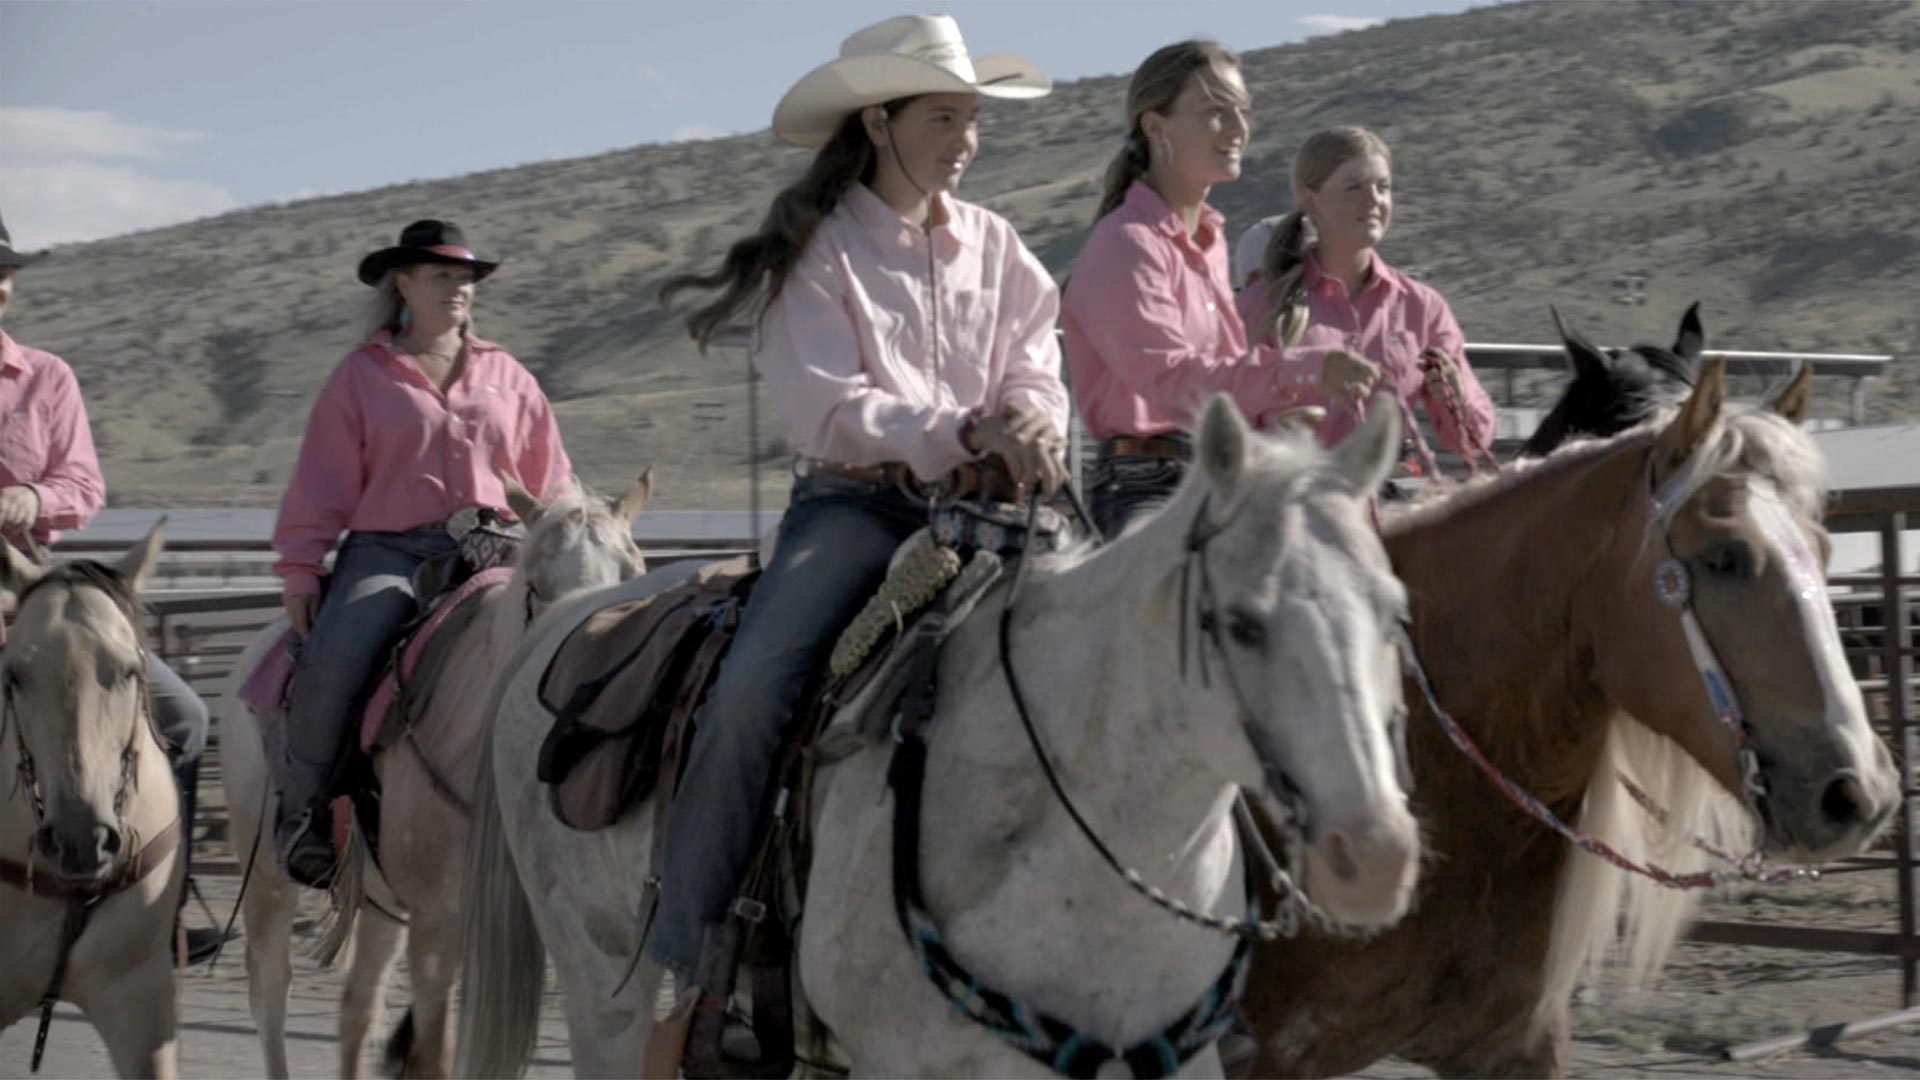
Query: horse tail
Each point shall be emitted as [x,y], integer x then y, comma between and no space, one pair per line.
[502,960]
[345,895]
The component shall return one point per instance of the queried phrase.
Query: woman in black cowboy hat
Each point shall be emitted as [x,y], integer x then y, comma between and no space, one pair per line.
[414,426]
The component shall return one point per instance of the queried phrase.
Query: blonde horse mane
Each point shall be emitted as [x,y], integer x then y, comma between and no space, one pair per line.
[1602,913]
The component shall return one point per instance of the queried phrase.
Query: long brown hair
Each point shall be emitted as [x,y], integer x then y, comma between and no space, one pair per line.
[756,267]
[1285,262]
[1156,83]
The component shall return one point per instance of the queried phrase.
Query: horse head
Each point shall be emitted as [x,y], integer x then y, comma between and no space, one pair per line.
[580,540]
[1720,634]
[73,696]
[1296,596]
[1615,389]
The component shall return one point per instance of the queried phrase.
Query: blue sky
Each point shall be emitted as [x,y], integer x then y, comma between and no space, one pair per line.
[119,116]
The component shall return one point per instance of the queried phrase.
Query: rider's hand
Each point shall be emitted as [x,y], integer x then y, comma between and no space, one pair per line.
[300,611]
[1024,440]
[1347,377]
[1440,372]
[19,508]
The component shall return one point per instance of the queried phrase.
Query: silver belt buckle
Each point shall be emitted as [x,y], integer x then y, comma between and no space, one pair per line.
[462,522]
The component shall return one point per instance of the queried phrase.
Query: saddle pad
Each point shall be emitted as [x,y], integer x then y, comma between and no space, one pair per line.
[450,611]
[266,687]
[619,680]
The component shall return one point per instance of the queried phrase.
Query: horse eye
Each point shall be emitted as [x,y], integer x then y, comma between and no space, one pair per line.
[1729,560]
[1246,630]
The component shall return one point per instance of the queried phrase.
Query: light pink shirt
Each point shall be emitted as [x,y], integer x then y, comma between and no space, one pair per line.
[44,440]
[386,451]
[1391,322]
[885,335]
[1151,329]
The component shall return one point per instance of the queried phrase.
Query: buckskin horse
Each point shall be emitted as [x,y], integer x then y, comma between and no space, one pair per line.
[90,910]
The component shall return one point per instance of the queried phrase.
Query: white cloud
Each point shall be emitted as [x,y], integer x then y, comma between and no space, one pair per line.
[38,131]
[1335,24]
[697,132]
[66,177]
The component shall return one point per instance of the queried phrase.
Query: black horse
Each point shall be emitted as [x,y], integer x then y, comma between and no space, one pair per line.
[1615,389]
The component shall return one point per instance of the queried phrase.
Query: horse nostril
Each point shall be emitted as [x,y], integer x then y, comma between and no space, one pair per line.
[47,841]
[1340,857]
[1845,802]
[109,840]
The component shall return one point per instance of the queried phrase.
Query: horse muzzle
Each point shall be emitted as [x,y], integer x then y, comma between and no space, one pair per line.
[79,847]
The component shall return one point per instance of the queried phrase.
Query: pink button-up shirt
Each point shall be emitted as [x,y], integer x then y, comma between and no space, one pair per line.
[1391,322]
[45,442]
[1151,328]
[386,451]
[885,335]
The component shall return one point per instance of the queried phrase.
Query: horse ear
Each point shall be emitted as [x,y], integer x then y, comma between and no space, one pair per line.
[519,500]
[1791,401]
[1698,416]
[636,497]
[137,564]
[1221,446]
[1365,457]
[1692,338]
[1588,361]
[17,571]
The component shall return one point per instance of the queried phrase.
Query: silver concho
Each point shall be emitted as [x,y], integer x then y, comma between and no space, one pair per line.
[463,522]
[1671,583]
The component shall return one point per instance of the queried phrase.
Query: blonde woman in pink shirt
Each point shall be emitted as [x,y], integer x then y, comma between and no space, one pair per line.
[1149,320]
[1322,286]
[907,338]
[412,427]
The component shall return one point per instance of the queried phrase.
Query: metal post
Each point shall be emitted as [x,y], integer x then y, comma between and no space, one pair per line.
[753,445]
[1906,742]
[1857,400]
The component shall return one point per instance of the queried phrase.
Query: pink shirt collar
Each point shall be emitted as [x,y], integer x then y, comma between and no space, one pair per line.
[878,217]
[1382,277]
[10,354]
[1147,203]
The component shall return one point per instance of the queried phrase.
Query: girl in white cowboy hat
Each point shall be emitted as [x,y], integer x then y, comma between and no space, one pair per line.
[903,335]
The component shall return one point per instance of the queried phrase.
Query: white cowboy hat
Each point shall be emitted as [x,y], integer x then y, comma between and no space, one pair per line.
[1251,251]
[901,57]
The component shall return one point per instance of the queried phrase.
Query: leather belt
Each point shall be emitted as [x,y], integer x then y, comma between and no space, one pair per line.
[1175,447]
[972,480]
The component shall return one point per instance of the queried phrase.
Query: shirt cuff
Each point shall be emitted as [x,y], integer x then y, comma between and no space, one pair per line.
[299,583]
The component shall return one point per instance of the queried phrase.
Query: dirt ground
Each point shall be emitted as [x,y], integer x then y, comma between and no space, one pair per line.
[1712,996]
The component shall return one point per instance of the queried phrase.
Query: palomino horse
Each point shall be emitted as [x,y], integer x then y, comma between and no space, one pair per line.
[1244,637]
[89,913]
[578,542]
[1572,615]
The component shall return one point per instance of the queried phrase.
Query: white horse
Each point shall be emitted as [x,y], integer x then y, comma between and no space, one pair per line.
[1292,609]
[95,811]
[578,542]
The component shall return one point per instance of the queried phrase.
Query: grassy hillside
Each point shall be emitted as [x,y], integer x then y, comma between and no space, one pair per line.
[1761,157]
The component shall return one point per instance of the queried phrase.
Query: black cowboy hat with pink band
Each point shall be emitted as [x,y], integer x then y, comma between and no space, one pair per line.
[423,242]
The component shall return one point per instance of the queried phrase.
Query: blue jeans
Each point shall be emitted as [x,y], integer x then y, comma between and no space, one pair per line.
[1126,486]
[369,600]
[834,545]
